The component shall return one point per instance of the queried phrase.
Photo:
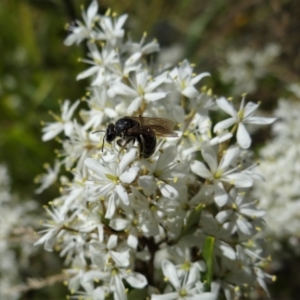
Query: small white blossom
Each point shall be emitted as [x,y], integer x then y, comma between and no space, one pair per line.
[64,122]
[139,49]
[185,80]
[48,179]
[162,173]
[110,178]
[111,29]
[142,90]
[54,229]
[186,288]
[217,174]
[239,118]
[81,31]
[240,217]
[100,62]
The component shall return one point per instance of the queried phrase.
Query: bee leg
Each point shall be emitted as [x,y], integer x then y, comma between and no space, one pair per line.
[123,146]
[141,145]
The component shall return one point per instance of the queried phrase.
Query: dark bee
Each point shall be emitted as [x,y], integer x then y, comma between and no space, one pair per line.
[141,129]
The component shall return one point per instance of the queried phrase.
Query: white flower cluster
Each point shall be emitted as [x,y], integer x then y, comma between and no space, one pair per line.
[245,67]
[280,164]
[14,252]
[124,222]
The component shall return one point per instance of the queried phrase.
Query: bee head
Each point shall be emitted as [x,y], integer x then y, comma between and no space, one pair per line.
[110,133]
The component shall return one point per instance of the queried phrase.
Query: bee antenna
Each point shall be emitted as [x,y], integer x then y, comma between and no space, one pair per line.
[103,137]
[103,142]
[98,131]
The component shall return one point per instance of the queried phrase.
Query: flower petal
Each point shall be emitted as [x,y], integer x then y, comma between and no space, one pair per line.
[148,184]
[121,191]
[112,241]
[136,280]
[197,78]
[251,212]
[121,258]
[224,124]
[169,296]
[128,157]
[190,92]
[210,157]
[240,180]
[200,169]
[250,108]
[154,96]
[95,166]
[118,224]
[88,72]
[243,137]
[227,251]
[129,175]
[230,155]
[170,272]
[132,241]
[111,206]
[134,106]
[92,11]
[221,196]
[223,215]
[259,120]
[168,191]
[227,107]
[51,131]
[120,21]
[244,226]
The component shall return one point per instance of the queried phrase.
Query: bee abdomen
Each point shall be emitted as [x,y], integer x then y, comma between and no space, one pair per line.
[148,145]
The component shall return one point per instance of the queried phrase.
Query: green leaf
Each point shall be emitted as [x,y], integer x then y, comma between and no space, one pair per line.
[208,254]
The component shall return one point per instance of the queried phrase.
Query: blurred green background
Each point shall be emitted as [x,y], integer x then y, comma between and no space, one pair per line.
[37,70]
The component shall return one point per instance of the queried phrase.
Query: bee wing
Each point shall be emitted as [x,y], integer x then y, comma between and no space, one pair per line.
[145,121]
[157,126]
[151,130]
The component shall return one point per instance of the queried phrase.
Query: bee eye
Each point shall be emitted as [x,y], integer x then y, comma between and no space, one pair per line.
[110,133]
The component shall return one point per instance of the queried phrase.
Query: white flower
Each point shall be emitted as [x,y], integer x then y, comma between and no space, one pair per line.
[103,255]
[80,145]
[240,217]
[100,62]
[114,279]
[217,174]
[109,178]
[239,118]
[47,179]
[151,212]
[84,31]
[101,106]
[185,80]
[112,31]
[64,122]
[186,288]
[131,223]
[55,229]
[138,49]
[142,90]
[162,173]
[74,193]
